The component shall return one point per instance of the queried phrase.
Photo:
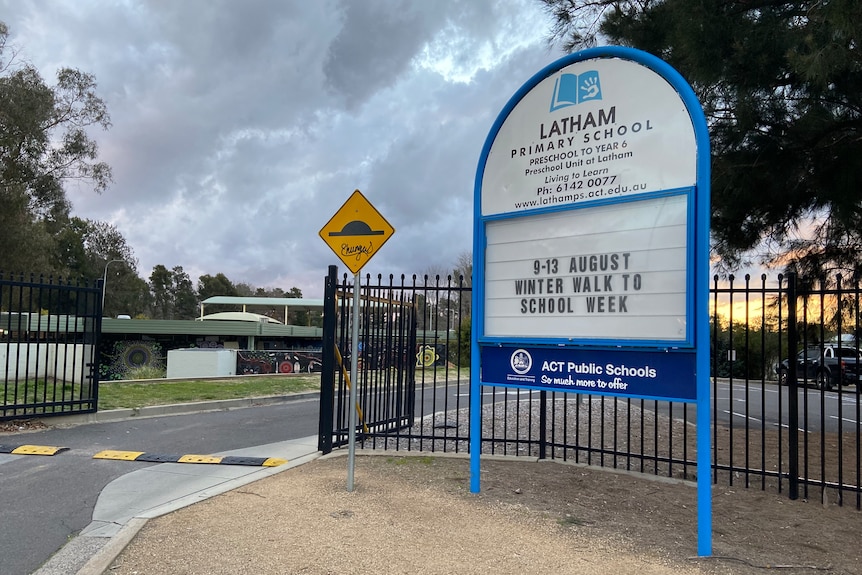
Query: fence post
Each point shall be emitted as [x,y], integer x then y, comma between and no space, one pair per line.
[327,375]
[96,367]
[793,388]
[543,424]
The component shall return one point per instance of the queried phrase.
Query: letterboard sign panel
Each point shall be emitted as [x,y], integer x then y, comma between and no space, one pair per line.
[606,272]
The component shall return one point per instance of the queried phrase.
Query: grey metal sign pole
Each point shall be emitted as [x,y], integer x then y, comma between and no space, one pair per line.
[354,360]
[355,233]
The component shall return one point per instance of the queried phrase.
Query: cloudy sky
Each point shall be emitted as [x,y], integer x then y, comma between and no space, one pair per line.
[240,127]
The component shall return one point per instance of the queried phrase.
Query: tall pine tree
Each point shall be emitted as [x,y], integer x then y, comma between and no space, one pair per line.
[781,86]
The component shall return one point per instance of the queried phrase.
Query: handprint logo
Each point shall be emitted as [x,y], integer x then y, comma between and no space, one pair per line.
[590,88]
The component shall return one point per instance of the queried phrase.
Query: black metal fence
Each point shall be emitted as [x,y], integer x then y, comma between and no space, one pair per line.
[49,339]
[777,422]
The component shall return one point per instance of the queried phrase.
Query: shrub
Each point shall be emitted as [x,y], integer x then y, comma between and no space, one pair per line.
[146,372]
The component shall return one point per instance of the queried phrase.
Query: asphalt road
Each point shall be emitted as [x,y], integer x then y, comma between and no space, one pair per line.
[767,405]
[830,411]
[737,402]
[47,500]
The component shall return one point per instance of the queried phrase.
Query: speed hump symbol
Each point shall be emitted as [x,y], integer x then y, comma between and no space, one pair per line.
[356,232]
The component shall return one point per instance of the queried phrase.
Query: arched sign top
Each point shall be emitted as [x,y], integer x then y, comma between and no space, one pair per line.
[603,124]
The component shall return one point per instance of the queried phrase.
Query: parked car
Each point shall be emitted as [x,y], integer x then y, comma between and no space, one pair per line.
[826,367]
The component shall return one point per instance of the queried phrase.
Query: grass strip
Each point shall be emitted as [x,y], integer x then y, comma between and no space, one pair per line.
[131,394]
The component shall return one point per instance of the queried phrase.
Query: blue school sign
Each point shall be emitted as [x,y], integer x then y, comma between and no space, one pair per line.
[591,242]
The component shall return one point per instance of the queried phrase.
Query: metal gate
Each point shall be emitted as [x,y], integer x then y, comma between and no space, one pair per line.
[49,341]
[386,386]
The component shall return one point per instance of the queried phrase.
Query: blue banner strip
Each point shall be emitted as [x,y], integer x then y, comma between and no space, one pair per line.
[668,375]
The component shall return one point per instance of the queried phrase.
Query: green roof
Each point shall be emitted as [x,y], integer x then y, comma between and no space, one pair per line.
[293,302]
[209,327]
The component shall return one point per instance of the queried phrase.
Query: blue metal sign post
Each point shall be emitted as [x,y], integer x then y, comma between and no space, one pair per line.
[591,243]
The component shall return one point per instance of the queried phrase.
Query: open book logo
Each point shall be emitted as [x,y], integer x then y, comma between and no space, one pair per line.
[571,89]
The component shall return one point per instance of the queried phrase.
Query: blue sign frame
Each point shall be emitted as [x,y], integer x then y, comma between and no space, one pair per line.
[673,369]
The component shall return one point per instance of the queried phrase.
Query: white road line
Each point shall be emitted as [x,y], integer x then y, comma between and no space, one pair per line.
[785,426]
[853,421]
[743,416]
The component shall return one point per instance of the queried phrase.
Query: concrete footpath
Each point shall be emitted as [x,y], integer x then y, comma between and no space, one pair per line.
[127,503]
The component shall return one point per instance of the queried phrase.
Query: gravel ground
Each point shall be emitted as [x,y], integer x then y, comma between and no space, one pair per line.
[416,515]
[402,517]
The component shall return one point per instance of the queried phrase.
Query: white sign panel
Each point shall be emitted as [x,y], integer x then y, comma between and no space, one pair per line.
[598,129]
[606,272]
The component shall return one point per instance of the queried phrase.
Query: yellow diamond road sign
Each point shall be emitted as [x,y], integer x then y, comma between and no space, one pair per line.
[356,232]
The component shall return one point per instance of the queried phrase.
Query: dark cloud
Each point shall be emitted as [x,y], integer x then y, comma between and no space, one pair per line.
[376,43]
[240,127]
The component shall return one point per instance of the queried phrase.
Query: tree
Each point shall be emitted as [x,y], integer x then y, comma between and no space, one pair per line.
[43,144]
[463,278]
[173,294]
[425,296]
[294,292]
[210,286]
[219,284]
[464,268]
[461,354]
[247,290]
[32,255]
[298,316]
[83,247]
[160,291]
[126,293]
[185,298]
[92,250]
[781,86]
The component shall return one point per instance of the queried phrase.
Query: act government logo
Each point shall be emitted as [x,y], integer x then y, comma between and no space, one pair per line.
[572,89]
[521,362]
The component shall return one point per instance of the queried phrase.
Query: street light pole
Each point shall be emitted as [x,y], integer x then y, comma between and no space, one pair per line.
[105,283]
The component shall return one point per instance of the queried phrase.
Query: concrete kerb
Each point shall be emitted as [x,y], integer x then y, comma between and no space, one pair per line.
[102,560]
[105,557]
